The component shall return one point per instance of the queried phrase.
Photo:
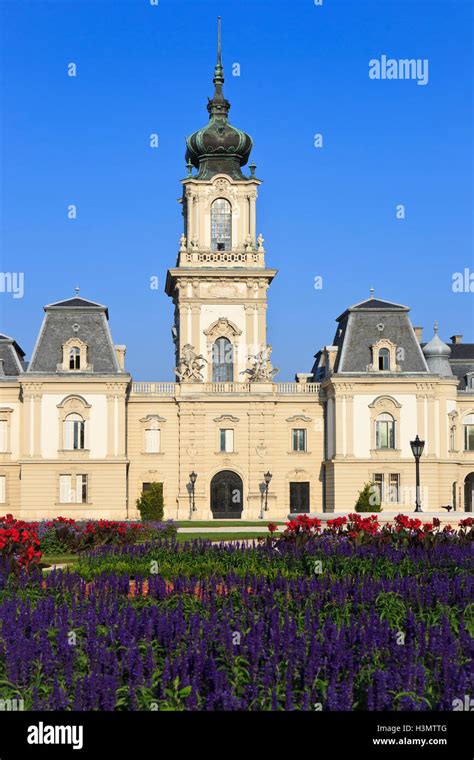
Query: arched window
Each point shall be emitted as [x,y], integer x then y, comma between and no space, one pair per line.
[74,432]
[469,432]
[74,358]
[221,225]
[385,431]
[222,361]
[384,359]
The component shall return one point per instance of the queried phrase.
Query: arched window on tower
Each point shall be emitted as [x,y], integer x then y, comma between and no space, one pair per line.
[222,361]
[221,225]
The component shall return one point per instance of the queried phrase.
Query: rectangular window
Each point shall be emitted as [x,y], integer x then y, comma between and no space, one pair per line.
[73,490]
[394,489]
[3,436]
[226,440]
[3,490]
[468,437]
[145,487]
[299,497]
[81,489]
[299,439]
[152,441]
[379,487]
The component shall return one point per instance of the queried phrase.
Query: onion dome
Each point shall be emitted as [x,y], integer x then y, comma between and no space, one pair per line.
[437,355]
[218,147]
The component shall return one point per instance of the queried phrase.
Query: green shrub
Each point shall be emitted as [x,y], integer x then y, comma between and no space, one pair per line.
[368,499]
[150,504]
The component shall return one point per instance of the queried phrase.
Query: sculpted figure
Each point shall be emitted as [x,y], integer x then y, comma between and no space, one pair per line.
[262,370]
[189,369]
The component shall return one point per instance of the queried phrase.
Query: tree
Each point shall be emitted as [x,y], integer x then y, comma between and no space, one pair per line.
[368,499]
[150,504]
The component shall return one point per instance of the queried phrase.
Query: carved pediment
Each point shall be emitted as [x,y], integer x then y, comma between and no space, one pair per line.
[222,328]
[226,418]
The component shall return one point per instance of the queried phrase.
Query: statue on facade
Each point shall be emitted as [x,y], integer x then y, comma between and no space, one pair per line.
[248,243]
[262,370]
[189,369]
[260,241]
[182,242]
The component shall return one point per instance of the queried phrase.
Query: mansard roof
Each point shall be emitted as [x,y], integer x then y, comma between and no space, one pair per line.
[77,302]
[367,322]
[462,361]
[75,318]
[13,357]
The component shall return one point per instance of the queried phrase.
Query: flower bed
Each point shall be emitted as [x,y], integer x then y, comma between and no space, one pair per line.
[331,624]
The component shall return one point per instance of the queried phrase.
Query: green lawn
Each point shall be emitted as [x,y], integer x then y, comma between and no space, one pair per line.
[221,536]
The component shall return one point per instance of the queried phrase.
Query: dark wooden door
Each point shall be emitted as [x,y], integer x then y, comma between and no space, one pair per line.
[299,497]
[226,496]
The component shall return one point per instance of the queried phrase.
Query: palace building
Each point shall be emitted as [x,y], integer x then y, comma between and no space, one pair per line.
[79,438]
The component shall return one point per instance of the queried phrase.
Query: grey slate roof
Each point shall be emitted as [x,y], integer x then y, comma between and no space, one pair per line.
[360,325]
[462,361]
[57,328]
[13,357]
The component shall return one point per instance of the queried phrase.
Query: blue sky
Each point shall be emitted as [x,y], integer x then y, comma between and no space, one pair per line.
[328,212]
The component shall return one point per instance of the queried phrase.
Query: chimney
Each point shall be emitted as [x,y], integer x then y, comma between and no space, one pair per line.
[419,334]
[456,339]
[120,352]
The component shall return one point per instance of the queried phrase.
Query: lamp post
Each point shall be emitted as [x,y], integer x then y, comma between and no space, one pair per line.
[417,447]
[192,478]
[267,477]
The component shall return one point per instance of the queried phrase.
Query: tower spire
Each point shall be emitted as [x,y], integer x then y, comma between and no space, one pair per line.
[218,105]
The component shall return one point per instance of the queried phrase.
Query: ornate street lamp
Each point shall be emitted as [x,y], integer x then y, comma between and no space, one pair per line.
[267,477]
[417,447]
[192,479]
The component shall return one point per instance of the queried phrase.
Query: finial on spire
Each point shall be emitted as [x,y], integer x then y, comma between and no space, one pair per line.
[218,70]
[435,327]
[76,290]
[372,292]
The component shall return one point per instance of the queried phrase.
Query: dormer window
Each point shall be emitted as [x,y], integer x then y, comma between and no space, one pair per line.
[384,357]
[75,358]
[384,360]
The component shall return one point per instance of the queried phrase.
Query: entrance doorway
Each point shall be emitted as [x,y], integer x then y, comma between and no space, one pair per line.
[227,496]
[469,492]
[299,497]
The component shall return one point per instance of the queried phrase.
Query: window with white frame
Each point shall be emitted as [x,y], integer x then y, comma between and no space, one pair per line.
[379,490]
[3,489]
[152,440]
[3,436]
[394,488]
[468,424]
[298,439]
[74,432]
[226,440]
[73,489]
[385,431]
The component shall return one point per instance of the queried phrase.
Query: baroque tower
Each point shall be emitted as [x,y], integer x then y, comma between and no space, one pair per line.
[219,285]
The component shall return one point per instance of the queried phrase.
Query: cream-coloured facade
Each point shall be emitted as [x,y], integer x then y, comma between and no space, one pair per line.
[79,438]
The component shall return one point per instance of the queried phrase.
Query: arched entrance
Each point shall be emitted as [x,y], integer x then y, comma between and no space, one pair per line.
[469,492]
[226,496]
